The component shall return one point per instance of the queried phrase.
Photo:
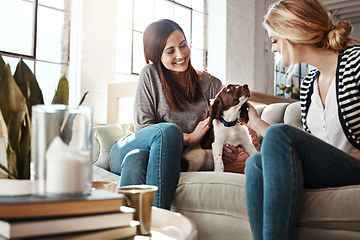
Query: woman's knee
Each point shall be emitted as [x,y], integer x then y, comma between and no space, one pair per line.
[134,168]
[171,133]
[115,159]
[277,129]
[170,129]
[282,131]
[253,164]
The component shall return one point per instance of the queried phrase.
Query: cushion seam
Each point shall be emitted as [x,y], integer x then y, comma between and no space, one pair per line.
[329,221]
[212,183]
[213,213]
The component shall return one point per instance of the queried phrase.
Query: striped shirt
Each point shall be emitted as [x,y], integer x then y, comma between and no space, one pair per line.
[347,93]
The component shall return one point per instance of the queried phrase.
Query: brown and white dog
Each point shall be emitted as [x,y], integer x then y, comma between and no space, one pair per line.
[228,112]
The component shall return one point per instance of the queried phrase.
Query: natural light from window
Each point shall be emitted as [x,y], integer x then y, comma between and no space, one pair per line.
[133,19]
[45,51]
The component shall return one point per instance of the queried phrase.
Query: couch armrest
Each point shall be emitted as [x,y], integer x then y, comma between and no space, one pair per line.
[292,115]
[289,113]
[104,138]
[274,113]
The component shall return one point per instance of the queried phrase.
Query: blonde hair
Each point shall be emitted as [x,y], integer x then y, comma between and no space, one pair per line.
[308,22]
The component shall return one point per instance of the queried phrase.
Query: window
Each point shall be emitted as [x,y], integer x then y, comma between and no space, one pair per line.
[134,16]
[285,86]
[39,32]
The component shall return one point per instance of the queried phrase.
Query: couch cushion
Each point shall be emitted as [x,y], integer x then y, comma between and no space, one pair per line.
[208,197]
[100,174]
[292,115]
[104,138]
[331,208]
[309,233]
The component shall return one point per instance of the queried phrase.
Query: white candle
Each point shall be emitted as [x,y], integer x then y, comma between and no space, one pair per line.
[67,169]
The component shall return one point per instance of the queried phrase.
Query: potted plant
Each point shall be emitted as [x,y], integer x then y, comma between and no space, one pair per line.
[18,93]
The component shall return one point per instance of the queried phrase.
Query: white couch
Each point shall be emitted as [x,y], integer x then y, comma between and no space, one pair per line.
[216,201]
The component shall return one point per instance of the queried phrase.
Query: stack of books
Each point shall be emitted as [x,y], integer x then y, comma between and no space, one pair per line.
[99,215]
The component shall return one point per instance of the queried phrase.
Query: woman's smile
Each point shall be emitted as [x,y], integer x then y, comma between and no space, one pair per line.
[180,62]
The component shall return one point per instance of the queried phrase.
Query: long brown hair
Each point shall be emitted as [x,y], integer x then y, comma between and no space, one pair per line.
[155,37]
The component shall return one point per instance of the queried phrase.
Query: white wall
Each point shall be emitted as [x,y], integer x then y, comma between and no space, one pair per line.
[98,57]
[238,49]
[356,31]
[240,42]
[264,58]
[217,39]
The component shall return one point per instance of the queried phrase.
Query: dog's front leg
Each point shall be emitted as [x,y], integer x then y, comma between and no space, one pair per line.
[249,148]
[217,148]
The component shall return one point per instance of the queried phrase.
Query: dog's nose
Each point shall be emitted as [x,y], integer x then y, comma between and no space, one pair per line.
[245,86]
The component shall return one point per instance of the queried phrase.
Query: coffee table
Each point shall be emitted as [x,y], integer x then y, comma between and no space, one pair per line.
[168,225]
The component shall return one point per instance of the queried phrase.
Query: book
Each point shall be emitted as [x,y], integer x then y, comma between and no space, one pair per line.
[113,233]
[30,206]
[61,225]
[127,232]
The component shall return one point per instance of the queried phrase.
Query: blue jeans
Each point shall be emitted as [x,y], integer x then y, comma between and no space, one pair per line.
[150,156]
[291,160]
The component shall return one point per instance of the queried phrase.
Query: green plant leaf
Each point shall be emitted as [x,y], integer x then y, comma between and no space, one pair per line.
[62,92]
[28,85]
[83,98]
[12,162]
[2,65]
[282,86]
[16,117]
[2,62]
[4,174]
[3,168]
[11,98]
[66,132]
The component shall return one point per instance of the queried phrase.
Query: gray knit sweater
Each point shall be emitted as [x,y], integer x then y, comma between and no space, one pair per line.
[151,106]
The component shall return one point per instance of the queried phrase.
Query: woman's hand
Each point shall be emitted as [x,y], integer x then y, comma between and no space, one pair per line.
[355,155]
[229,157]
[235,160]
[255,122]
[198,133]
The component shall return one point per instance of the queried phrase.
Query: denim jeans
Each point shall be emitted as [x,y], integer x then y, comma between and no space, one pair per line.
[291,160]
[150,156]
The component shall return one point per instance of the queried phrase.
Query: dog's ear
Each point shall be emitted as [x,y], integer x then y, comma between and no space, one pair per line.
[208,139]
[215,108]
[244,112]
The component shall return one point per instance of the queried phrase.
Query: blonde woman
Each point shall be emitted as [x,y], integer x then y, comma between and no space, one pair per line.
[327,153]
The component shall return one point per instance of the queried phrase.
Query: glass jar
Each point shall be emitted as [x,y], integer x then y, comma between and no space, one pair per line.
[61,148]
